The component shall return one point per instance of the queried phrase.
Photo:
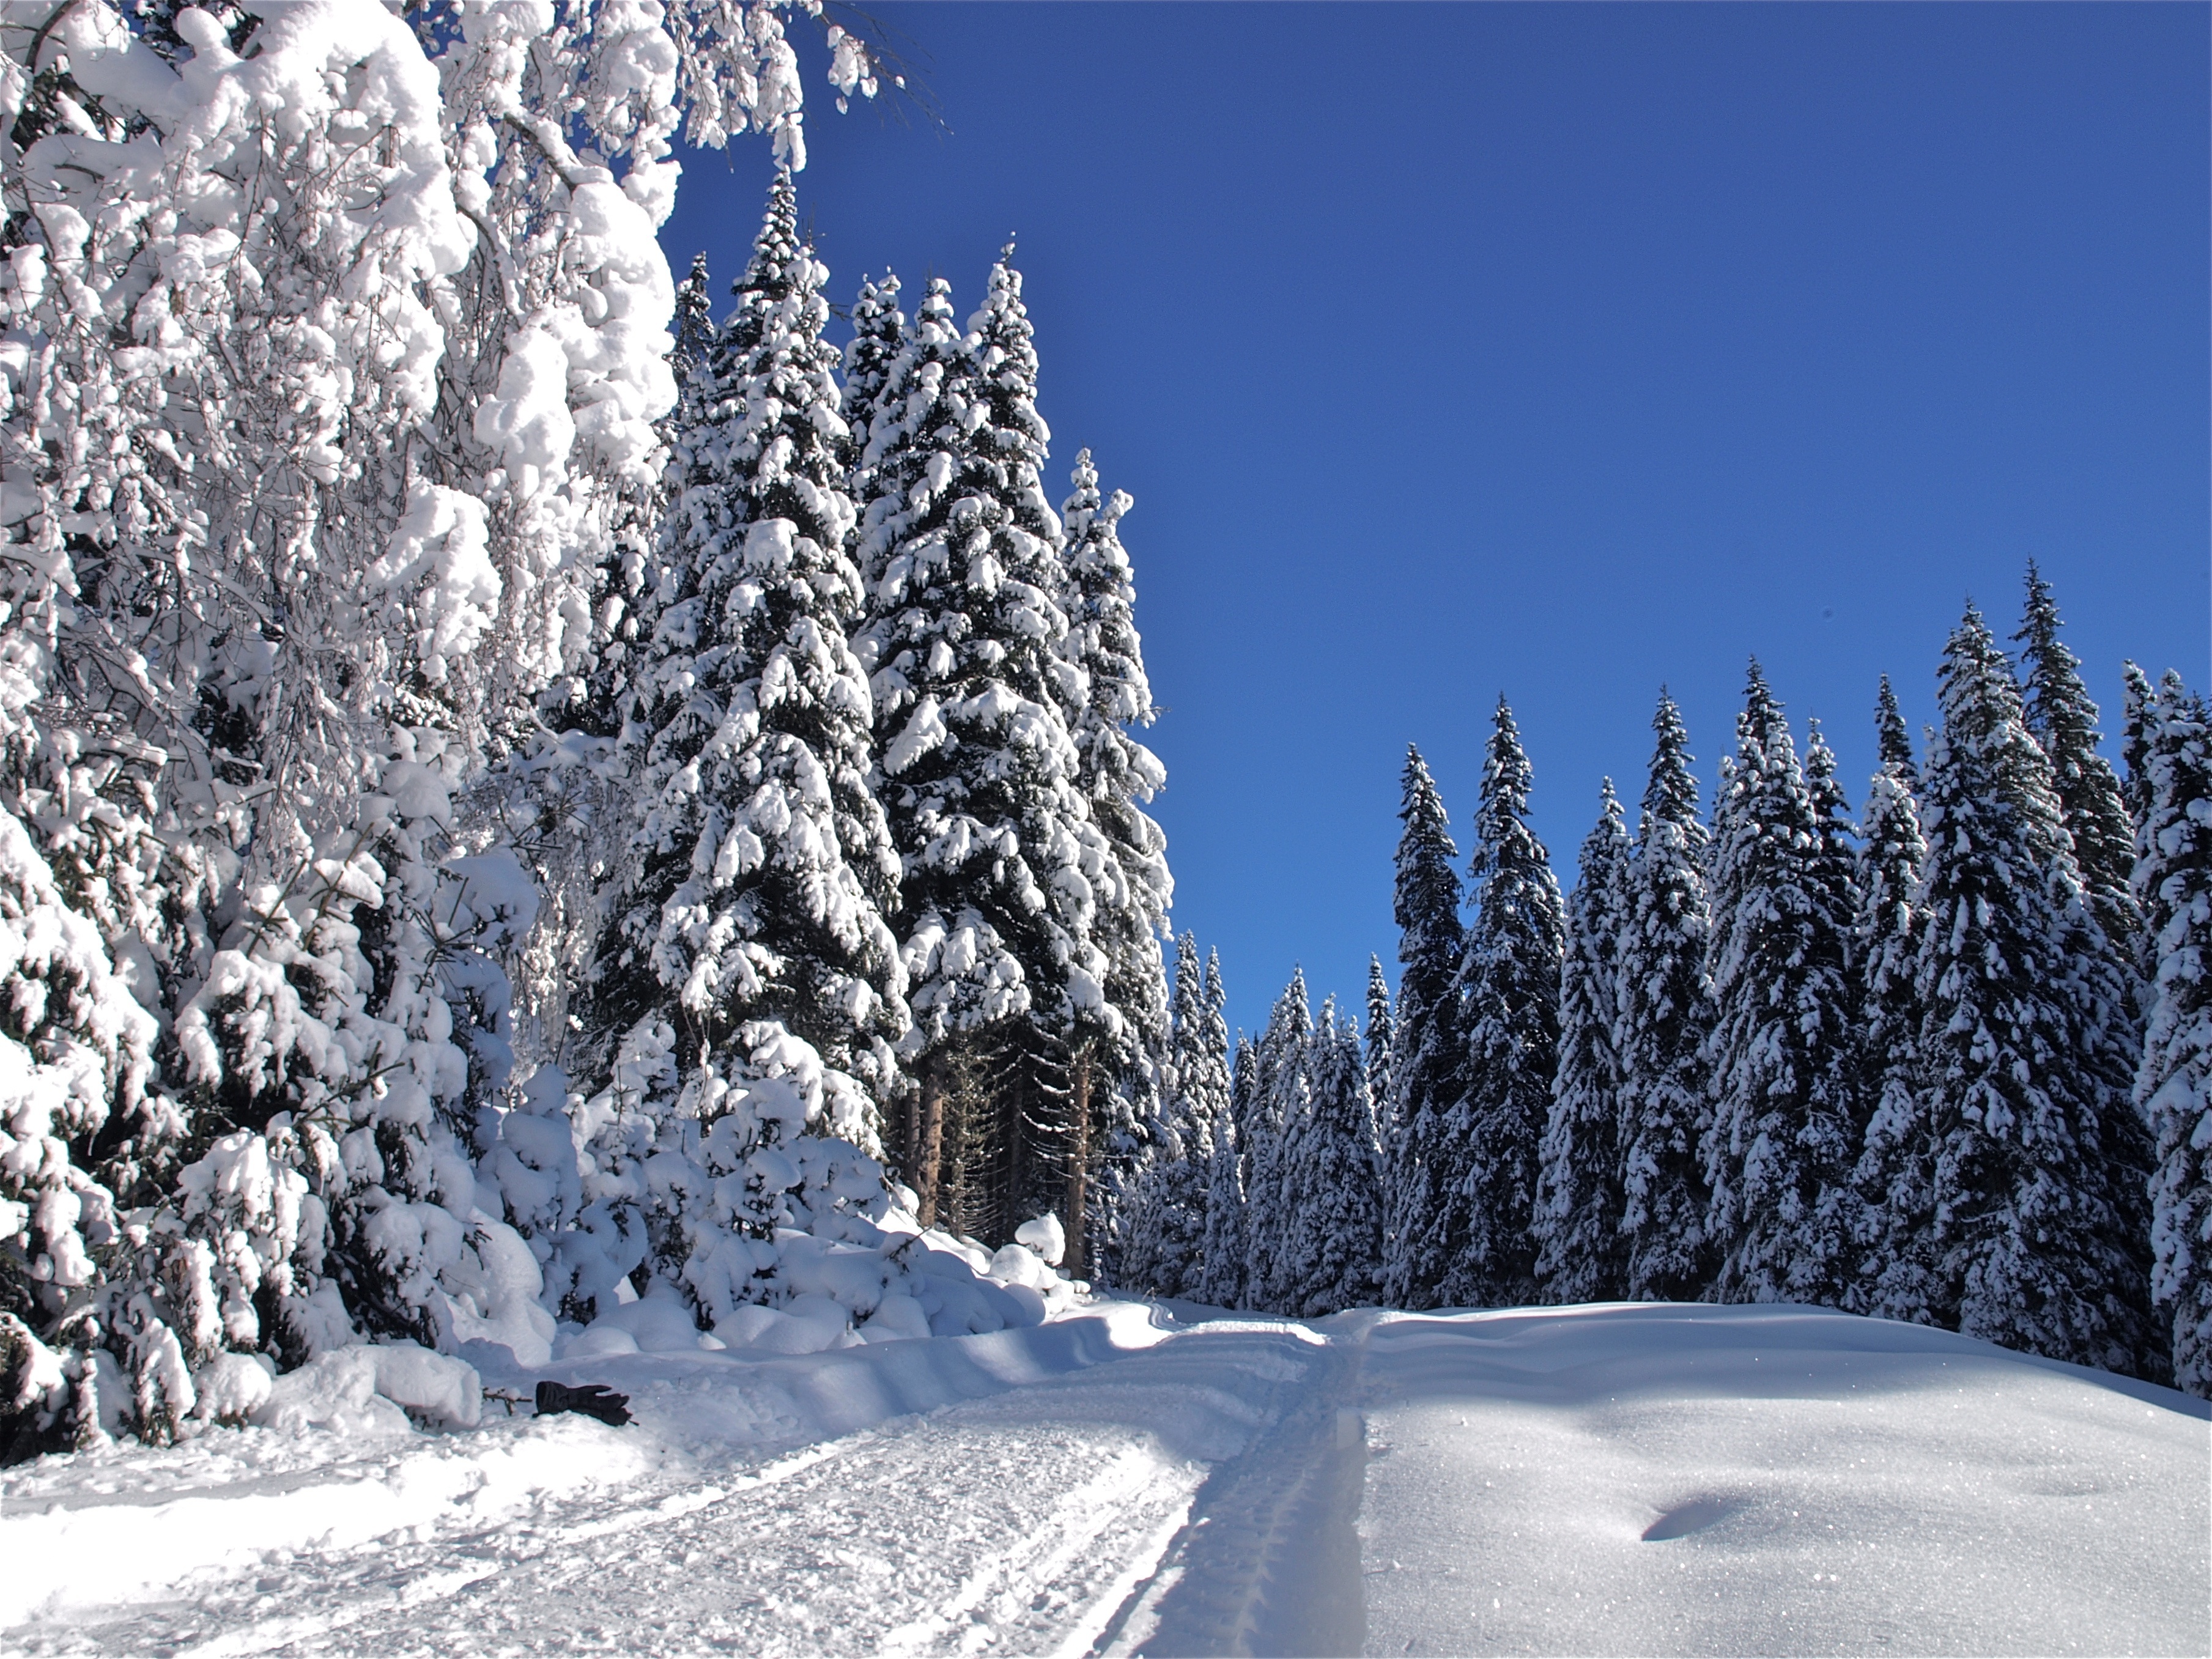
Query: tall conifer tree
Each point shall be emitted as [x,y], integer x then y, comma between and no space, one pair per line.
[878,336]
[1428,1049]
[1117,1065]
[977,766]
[2064,721]
[1282,1111]
[1378,1035]
[751,908]
[1779,1152]
[1887,939]
[2173,1086]
[1663,1013]
[1226,1245]
[2014,1177]
[1510,975]
[1581,1252]
[1337,1244]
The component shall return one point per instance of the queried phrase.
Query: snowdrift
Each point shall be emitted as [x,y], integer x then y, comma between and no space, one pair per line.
[1167,1477]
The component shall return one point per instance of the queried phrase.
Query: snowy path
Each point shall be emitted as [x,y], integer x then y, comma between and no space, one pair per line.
[1647,1480]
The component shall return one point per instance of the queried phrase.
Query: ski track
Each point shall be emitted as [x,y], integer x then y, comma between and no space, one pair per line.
[1018,1523]
[1610,1479]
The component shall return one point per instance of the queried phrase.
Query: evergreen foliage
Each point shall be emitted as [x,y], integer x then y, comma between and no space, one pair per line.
[2059,713]
[1228,1246]
[2173,1086]
[1779,1152]
[1337,1246]
[1510,979]
[1282,1085]
[1888,937]
[977,766]
[1166,1205]
[1116,774]
[1581,1252]
[2013,1170]
[1378,1033]
[1662,1014]
[1427,1049]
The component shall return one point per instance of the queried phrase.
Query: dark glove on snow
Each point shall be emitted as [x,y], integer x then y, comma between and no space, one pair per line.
[593,1399]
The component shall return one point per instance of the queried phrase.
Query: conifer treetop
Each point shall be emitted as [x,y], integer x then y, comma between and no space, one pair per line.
[1892,742]
[2058,711]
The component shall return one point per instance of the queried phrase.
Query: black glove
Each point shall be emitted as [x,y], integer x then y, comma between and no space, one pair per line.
[593,1399]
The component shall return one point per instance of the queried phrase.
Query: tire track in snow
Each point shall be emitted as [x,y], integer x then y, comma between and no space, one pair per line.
[1269,1563]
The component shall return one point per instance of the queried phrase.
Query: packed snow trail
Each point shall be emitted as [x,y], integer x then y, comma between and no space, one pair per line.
[1171,1481]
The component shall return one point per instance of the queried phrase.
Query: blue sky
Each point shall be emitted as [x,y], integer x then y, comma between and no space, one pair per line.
[1559,350]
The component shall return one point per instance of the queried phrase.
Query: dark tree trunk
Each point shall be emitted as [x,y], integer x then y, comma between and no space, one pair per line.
[909,1141]
[929,1152]
[1078,1160]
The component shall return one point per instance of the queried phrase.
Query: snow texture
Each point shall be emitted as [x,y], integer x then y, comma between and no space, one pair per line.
[1166,1479]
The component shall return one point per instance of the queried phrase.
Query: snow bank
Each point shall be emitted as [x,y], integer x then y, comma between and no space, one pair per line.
[333,1463]
[369,1391]
[887,1283]
[1657,1478]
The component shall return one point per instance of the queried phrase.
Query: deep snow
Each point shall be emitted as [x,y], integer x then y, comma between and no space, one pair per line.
[1166,1479]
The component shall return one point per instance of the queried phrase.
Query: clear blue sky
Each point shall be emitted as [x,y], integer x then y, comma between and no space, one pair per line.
[1560,350]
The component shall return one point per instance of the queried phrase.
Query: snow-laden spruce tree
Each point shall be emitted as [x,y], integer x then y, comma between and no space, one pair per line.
[1202,1074]
[1779,1152]
[1663,1011]
[1509,1003]
[75,1051]
[1115,1067]
[1887,937]
[1428,1049]
[2064,721]
[1222,1283]
[879,334]
[2014,1171]
[747,912]
[1581,1252]
[1336,1241]
[1282,1108]
[2173,1086]
[1165,1202]
[976,765]
[1378,1035]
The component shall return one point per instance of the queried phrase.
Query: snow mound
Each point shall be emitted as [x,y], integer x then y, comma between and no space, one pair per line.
[369,1392]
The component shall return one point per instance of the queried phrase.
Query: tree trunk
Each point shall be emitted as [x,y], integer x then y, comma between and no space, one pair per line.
[910,1138]
[929,1155]
[1079,1162]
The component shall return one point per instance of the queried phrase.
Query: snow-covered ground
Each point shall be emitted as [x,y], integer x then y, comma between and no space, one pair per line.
[1168,1480]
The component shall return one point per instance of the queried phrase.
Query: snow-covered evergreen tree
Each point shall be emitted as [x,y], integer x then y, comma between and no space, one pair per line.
[2014,1173]
[1336,1239]
[749,912]
[1663,1011]
[2173,1086]
[2064,721]
[1427,1046]
[878,336]
[1581,1252]
[75,1051]
[1222,1282]
[1887,943]
[977,766]
[1779,1152]
[1378,1035]
[1509,1003]
[1117,774]
[1282,1108]
[1166,1204]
